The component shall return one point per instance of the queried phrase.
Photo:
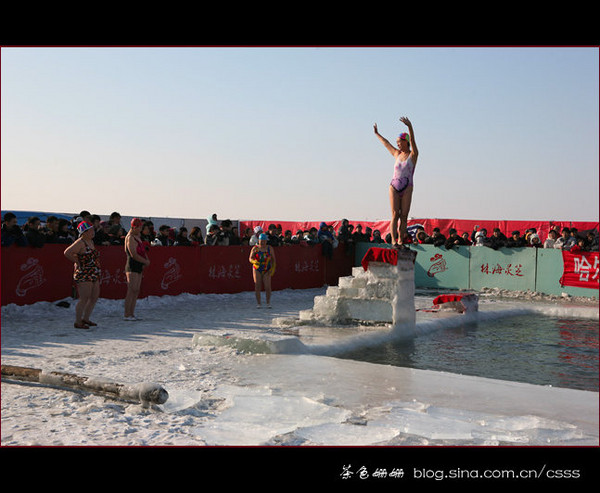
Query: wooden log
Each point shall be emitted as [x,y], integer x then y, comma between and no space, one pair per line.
[146,393]
[21,373]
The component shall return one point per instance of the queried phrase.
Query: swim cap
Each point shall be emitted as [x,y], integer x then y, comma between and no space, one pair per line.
[403,136]
[135,222]
[263,237]
[83,226]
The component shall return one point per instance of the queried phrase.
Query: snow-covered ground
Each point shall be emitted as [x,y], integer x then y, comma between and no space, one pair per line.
[245,379]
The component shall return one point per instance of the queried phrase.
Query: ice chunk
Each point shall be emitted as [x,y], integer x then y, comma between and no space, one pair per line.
[256,419]
[347,434]
[262,344]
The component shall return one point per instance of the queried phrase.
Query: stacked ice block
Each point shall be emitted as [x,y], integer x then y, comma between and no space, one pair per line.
[383,293]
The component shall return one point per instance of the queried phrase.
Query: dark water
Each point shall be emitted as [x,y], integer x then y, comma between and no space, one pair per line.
[533,349]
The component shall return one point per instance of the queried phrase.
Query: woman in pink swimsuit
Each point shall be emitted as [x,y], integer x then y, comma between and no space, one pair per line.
[401,186]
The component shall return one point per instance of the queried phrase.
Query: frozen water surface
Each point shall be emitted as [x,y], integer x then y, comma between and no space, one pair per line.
[241,376]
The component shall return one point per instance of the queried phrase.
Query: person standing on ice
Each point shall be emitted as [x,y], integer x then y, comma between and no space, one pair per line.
[401,186]
[262,258]
[86,260]
[137,259]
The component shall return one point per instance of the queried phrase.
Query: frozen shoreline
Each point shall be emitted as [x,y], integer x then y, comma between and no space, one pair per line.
[219,395]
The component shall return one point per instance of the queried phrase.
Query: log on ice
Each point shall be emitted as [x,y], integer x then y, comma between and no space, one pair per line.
[144,392]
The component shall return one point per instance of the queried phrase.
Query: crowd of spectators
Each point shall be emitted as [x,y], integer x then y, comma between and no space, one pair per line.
[111,232]
[563,239]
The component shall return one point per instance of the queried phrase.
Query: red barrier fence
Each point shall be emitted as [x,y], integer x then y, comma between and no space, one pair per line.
[44,274]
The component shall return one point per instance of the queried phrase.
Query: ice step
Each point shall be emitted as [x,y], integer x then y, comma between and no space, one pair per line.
[332,291]
[369,310]
[349,292]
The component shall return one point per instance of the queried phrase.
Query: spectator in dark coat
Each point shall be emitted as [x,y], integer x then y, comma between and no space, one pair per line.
[516,240]
[33,233]
[498,239]
[453,239]
[11,233]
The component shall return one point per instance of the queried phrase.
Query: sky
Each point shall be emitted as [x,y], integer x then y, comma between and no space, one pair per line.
[287,133]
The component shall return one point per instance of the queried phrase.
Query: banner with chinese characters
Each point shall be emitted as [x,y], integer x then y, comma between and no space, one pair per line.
[44,274]
[580,270]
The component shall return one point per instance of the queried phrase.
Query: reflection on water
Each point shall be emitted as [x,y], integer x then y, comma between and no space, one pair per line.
[531,348]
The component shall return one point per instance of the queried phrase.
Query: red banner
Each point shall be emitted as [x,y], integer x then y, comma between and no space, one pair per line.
[44,274]
[580,270]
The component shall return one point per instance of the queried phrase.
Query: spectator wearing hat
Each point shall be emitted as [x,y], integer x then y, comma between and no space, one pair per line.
[515,240]
[453,239]
[498,239]
[344,233]
[534,241]
[326,239]
[211,221]
[551,240]
[377,237]
[254,238]
[358,235]
[422,237]
[86,261]
[213,237]
[481,238]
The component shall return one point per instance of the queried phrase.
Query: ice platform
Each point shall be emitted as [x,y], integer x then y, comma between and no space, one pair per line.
[381,290]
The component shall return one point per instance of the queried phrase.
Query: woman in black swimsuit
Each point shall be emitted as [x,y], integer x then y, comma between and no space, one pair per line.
[137,259]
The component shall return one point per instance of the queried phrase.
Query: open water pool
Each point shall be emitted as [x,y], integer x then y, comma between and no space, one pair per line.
[531,348]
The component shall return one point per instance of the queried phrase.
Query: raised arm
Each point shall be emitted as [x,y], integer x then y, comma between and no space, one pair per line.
[393,151]
[413,144]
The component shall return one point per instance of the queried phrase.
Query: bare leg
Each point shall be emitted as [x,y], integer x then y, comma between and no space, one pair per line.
[257,285]
[84,291]
[395,205]
[134,282]
[405,202]
[94,295]
[267,283]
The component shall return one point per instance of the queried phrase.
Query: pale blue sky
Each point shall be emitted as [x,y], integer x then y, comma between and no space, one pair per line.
[287,133]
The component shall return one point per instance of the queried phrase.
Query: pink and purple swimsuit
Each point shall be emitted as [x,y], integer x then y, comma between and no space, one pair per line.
[403,174]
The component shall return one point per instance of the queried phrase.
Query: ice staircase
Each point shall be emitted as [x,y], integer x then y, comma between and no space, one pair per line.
[382,293]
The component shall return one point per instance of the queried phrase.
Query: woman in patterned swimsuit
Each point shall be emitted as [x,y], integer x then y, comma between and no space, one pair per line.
[262,258]
[86,260]
[401,186]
